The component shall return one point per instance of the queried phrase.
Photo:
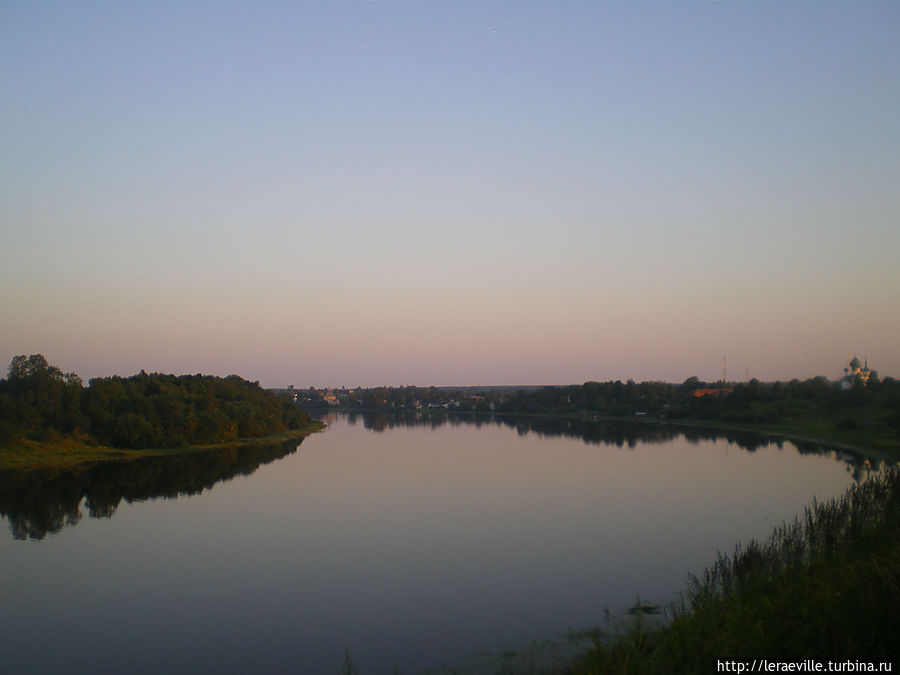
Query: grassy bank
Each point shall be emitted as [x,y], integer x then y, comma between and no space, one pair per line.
[868,441]
[824,587]
[53,450]
[871,442]
[868,438]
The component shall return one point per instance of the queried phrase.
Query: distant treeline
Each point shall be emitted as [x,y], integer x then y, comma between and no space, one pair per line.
[142,411]
[845,406]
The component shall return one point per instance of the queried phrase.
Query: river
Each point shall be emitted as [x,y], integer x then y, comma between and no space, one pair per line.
[400,542]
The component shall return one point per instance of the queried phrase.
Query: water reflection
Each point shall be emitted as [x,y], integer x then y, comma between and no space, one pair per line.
[621,433]
[431,542]
[42,502]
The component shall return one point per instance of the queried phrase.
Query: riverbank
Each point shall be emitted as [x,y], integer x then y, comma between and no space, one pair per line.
[884,445]
[876,444]
[57,451]
[881,445]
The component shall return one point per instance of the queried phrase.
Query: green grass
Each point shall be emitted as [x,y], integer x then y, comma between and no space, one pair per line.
[865,437]
[824,587]
[52,450]
[867,440]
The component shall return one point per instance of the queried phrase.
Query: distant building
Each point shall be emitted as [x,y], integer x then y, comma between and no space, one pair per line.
[698,393]
[856,372]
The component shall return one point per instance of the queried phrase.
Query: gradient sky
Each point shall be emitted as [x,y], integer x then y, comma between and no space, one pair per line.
[451,193]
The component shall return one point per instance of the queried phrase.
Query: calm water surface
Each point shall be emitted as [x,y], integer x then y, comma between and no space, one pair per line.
[415,545]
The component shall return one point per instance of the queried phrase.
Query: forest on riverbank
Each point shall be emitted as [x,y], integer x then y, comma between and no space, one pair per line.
[40,403]
[853,412]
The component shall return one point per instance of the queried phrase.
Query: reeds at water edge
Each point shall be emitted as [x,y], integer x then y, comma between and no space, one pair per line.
[825,586]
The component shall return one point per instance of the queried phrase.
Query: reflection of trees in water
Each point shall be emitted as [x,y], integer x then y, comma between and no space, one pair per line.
[41,502]
[620,433]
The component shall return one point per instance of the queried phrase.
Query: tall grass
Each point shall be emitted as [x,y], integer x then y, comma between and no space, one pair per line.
[825,530]
[825,586]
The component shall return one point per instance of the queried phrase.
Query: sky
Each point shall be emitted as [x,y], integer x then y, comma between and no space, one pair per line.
[391,193]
